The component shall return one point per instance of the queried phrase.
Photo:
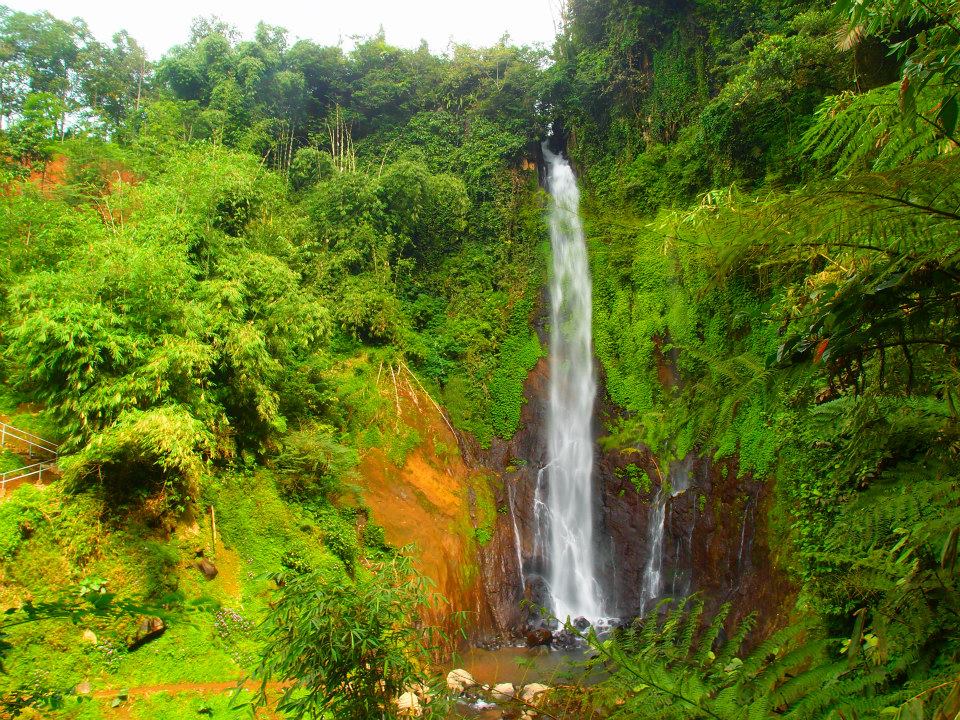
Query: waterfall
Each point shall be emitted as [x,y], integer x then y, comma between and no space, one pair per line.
[565,520]
[653,572]
[516,540]
[676,482]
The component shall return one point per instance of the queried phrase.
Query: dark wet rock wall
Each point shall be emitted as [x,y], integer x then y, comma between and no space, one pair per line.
[715,539]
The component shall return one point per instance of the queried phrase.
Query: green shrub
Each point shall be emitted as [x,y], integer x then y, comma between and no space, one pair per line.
[312,463]
[20,514]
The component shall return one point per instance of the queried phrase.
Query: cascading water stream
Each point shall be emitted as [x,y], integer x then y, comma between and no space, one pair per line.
[565,520]
[516,540]
[677,482]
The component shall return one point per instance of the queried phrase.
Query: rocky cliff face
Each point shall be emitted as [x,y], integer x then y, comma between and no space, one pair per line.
[715,534]
[714,539]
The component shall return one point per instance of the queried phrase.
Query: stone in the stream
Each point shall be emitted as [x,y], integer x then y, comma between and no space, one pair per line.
[581,623]
[565,640]
[460,680]
[503,691]
[208,569]
[148,629]
[408,705]
[540,636]
[532,692]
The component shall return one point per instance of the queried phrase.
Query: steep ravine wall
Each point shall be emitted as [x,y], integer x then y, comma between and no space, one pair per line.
[429,504]
[715,539]
[715,532]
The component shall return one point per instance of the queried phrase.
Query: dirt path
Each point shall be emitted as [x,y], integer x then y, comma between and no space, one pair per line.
[176,688]
[127,709]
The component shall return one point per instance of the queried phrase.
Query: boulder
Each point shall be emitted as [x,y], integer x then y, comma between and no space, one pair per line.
[503,691]
[408,705]
[460,680]
[90,636]
[422,691]
[565,640]
[532,692]
[581,623]
[208,569]
[84,688]
[539,636]
[148,629]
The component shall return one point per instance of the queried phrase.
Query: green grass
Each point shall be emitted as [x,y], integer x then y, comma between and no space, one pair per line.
[161,706]
[165,706]
[189,651]
[10,461]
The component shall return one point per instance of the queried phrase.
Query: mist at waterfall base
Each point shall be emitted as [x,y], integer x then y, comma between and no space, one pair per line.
[564,499]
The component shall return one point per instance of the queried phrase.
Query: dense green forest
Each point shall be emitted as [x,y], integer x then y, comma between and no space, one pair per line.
[223,269]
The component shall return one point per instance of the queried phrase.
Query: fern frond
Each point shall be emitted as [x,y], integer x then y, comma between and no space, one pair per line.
[869,131]
[732,646]
[711,634]
[691,625]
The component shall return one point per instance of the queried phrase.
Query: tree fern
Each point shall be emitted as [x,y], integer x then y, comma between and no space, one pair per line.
[868,131]
[794,671]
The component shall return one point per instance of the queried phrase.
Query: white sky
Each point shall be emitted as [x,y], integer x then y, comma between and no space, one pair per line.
[160,24]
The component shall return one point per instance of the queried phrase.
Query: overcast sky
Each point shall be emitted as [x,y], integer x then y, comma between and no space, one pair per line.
[159,25]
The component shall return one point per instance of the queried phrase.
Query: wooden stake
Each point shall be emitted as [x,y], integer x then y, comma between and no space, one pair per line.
[213,532]
[396,393]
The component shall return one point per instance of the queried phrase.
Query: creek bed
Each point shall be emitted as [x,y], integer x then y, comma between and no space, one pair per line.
[520,666]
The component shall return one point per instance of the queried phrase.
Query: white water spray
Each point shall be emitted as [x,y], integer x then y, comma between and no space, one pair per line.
[569,473]
[516,540]
[678,481]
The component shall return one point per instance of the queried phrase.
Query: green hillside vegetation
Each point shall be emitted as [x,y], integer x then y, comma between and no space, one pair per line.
[208,262]
[772,194]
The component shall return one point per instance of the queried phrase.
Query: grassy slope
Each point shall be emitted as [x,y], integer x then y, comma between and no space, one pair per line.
[211,637]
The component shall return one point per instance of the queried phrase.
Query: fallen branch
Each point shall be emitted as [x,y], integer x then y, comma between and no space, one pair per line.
[435,404]
[396,394]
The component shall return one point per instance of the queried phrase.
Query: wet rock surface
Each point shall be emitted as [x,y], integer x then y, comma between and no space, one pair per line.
[149,628]
[208,569]
[714,532]
[539,636]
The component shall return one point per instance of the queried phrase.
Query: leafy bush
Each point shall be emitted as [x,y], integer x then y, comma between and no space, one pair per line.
[345,647]
[312,463]
[144,449]
[19,515]
[309,167]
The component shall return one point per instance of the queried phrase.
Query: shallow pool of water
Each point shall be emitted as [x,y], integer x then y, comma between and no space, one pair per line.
[520,666]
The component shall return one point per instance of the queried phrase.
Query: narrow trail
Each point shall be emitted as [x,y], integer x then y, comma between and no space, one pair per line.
[181,687]
[38,455]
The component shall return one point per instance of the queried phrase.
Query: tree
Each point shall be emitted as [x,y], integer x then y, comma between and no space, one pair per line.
[32,137]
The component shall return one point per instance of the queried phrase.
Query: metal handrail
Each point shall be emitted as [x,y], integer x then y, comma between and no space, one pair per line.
[37,469]
[29,439]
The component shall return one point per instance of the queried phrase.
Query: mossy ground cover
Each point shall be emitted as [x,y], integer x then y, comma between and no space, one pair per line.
[19,412]
[9,461]
[211,634]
